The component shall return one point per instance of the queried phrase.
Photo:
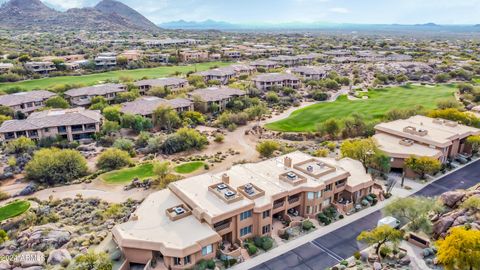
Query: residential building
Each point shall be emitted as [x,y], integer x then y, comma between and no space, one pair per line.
[69,124]
[26,102]
[231,54]
[82,96]
[285,60]
[106,60]
[311,72]
[193,56]
[207,98]
[268,81]
[145,106]
[158,57]
[222,75]
[265,64]
[172,84]
[197,217]
[5,67]
[40,67]
[422,136]
[132,55]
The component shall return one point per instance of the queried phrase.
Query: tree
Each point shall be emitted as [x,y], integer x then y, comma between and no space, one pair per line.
[414,210]
[7,111]
[122,61]
[54,166]
[161,169]
[442,77]
[401,78]
[112,159]
[57,102]
[364,150]
[24,58]
[125,145]
[195,118]
[423,165]
[184,139]
[112,113]
[448,103]
[93,261]
[110,127]
[4,118]
[474,142]
[330,127]
[460,249]
[20,145]
[3,236]
[165,117]
[267,148]
[381,235]
[454,114]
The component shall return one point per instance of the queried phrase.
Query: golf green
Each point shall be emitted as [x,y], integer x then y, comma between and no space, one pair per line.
[378,103]
[13,209]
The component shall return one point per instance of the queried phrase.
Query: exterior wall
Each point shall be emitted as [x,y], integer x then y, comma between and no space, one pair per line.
[68,134]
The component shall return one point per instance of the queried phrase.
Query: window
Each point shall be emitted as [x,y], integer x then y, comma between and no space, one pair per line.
[326,202]
[266,229]
[246,230]
[207,250]
[245,214]
[309,209]
[266,214]
[311,195]
[187,260]
[177,261]
[328,188]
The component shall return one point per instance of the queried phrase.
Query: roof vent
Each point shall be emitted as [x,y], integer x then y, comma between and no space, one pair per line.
[221,186]
[229,194]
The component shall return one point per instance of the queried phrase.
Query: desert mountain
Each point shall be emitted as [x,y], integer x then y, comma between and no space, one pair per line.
[108,15]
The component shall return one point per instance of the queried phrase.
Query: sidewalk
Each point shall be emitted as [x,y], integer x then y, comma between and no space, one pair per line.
[397,191]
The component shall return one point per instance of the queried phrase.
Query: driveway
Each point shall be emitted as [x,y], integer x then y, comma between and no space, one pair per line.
[329,249]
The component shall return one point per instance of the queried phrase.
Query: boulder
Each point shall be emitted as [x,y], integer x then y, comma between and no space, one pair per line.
[5,265]
[460,221]
[442,225]
[404,261]
[44,237]
[57,256]
[377,266]
[29,268]
[30,258]
[28,190]
[451,198]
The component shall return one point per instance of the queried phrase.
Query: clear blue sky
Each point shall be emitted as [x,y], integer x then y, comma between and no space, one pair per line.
[339,11]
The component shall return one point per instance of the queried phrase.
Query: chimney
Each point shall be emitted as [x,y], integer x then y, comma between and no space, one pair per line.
[225,178]
[287,162]
[134,217]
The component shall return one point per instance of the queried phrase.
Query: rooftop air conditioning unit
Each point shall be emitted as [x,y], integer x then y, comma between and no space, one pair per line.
[179,210]
[221,186]
[292,175]
[229,194]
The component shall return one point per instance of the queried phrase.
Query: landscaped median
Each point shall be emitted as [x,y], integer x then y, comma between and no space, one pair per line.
[13,209]
[379,102]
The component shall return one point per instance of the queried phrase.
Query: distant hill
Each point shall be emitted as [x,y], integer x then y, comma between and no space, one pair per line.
[108,15]
[203,25]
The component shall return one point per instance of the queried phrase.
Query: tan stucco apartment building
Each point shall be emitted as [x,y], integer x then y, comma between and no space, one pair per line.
[422,136]
[195,217]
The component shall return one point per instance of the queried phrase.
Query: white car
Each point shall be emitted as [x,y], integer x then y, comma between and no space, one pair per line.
[390,221]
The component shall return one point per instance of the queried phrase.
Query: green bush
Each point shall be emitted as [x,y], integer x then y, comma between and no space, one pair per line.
[252,249]
[357,255]
[258,241]
[211,264]
[113,159]
[307,225]
[267,243]
[229,263]
[344,262]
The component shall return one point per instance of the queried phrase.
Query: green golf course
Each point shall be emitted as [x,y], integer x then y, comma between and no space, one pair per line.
[97,78]
[13,209]
[126,175]
[378,103]
[189,167]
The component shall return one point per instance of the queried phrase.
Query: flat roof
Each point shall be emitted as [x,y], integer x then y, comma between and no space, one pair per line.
[391,146]
[155,229]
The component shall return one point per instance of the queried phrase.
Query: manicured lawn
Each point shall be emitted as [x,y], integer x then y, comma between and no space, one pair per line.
[92,79]
[378,103]
[13,209]
[126,175]
[188,167]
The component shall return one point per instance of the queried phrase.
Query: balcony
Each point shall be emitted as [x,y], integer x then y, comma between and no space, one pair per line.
[293,199]
[222,225]
[278,204]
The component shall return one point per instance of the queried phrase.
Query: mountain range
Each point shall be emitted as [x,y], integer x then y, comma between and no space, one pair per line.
[107,15]
[221,25]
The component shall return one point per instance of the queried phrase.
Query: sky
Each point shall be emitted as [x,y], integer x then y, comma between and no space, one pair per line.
[278,11]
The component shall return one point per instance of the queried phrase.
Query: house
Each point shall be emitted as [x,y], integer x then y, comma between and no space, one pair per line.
[5,67]
[132,55]
[172,84]
[229,207]
[40,67]
[145,106]
[268,81]
[241,69]
[222,75]
[26,102]
[158,57]
[265,64]
[193,56]
[82,96]
[422,136]
[205,98]
[310,72]
[70,124]
[106,60]
[231,54]
[285,60]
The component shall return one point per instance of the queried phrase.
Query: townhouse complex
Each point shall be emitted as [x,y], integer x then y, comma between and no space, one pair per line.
[83,96]
[422,136]
[269,81]
[26,102]
[196,217]
[69,124]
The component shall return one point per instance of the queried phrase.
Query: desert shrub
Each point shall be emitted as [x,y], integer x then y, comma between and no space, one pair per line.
[113,159]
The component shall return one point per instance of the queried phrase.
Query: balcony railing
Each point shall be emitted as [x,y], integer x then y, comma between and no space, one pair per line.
[278,204]
[293,200]
[222,226]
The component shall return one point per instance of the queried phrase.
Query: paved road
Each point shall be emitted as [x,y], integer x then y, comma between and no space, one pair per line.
[340,244]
